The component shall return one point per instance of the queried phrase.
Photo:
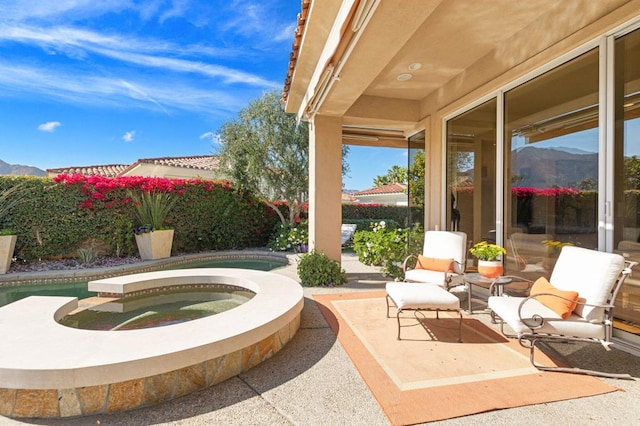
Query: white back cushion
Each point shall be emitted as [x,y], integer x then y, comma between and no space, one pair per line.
[589,272]
[446,245]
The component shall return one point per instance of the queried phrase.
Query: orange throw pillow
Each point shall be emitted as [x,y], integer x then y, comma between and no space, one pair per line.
[434,264]
[560,306]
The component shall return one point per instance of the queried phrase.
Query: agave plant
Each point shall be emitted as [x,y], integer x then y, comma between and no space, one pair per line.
[8,198]
[152,208]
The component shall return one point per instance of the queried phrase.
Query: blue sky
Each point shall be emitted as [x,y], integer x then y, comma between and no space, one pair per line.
[85,82]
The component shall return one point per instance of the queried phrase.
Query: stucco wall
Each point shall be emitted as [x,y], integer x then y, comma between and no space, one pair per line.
[569,26]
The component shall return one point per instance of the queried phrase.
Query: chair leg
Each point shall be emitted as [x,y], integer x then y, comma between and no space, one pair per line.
[531,343]
[398,319]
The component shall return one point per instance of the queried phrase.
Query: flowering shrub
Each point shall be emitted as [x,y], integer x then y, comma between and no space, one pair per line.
[521,191]
[387,247]
[56,216]
[290,238]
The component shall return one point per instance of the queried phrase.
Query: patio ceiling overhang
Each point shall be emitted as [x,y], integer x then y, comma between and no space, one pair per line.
[380,65]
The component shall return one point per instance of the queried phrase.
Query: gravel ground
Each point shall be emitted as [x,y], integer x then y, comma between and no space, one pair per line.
[70,264]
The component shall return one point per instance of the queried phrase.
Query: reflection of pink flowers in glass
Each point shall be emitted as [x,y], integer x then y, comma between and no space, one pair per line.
[523,191]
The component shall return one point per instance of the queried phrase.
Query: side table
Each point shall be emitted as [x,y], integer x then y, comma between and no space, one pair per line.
[484,282]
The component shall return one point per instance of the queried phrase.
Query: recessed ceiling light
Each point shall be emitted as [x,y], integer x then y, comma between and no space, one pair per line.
[404,77]
[415,66]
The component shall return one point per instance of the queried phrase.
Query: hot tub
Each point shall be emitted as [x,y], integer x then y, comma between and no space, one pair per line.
[57,371]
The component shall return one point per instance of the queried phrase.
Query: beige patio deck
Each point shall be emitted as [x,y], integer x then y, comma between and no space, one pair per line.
[313,382]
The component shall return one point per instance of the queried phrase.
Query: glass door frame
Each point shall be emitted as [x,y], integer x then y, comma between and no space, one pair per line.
[606,240]
[606,135]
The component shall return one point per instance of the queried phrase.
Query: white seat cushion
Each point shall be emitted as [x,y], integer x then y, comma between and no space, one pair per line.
[576,326]
[425,276]
[421,296]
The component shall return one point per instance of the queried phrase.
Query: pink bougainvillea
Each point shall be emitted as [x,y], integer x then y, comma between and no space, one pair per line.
[524,191]
[99,188]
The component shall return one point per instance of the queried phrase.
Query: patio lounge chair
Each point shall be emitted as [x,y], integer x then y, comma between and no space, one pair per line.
[443,259]
[346,232]
[576,304]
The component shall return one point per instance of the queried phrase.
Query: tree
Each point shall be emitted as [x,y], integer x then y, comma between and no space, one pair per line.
[396,174]
[413,176]
[416,179]
[632,172]
[265,150]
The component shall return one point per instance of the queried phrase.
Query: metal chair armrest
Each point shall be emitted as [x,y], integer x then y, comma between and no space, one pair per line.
[404,263]
[537,321]
[514,279]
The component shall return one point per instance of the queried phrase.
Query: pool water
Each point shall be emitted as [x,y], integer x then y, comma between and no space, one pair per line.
[159,309]
[10,294]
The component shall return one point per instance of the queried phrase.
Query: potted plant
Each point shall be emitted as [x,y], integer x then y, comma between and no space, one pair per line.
[8,198]
[151,210]
[489,258]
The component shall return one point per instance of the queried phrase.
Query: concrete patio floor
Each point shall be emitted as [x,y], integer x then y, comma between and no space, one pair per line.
[312,381]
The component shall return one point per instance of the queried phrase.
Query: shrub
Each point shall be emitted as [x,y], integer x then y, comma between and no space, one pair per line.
[57,216]
[367,224]
[399,214]
[290,238]
[387,247]
[316,269]
[9,197]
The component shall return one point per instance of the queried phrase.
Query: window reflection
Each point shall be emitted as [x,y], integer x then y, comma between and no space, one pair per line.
[551,159]
[471,173]
[627,176]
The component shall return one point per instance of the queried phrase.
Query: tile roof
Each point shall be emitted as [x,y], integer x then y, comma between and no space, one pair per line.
[293,56]
[202,162]
[106,170]
[392,188]
[348,198]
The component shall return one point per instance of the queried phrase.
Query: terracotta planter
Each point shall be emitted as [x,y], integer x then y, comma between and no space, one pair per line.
[7,245]
[155,245]
[490,268]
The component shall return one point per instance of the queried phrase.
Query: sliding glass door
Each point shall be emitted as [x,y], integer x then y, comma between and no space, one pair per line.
[564,181]
[626,176]
[471,173]
[551,164]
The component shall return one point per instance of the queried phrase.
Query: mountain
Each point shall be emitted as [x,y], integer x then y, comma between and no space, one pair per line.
[19,169]
[547,167]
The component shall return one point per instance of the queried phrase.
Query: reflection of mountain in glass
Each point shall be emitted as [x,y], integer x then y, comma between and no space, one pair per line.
[549,167]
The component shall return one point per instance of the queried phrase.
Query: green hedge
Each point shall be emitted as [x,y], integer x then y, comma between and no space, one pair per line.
[56,217]
[367,224]
[377,212]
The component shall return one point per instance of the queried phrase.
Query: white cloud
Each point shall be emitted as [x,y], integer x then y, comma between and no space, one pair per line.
[149,53]
[128,136]
[114,68]
[287,33]
[153,93]
[210,135]
[49,126]
[178,8]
